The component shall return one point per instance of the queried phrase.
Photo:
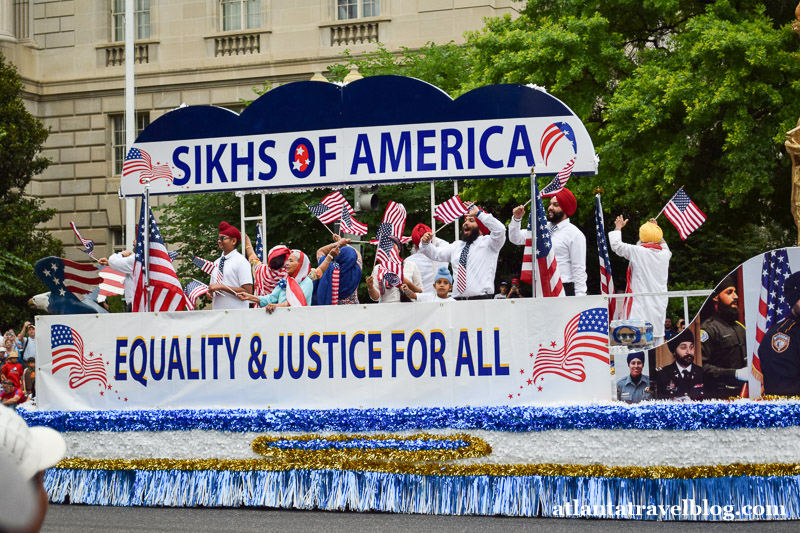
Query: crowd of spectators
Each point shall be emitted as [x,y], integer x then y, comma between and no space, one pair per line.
[18,366]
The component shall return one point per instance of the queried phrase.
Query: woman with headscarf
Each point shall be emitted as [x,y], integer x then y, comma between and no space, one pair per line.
[295,289]
[338,285]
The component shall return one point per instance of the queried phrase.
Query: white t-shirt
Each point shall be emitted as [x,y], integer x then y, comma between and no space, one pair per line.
[426,297]
[427,267]
[236,272]
[124,265]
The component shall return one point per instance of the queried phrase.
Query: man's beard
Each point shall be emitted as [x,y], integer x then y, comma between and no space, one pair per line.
[728,311]
[472,236]
[554,217]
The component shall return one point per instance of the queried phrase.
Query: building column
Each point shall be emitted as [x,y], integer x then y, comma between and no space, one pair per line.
[7,20]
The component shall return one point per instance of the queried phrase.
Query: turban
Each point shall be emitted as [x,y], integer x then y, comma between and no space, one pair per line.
[791,289]
[417,233]
[650,232]
[636,355]
[443,273]
[726,283]
[684,336]
[230,231]
[567,201]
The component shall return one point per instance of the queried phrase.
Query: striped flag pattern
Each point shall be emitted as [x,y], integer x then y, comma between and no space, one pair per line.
[450,210]
[351,225]
[548,279]
[167,293]
[67,349]
[606,279]
[259,249]
[772,306]
[552,135]
[387,279]
[386,254]
[77,278]
[193,290]
[526,276]
[113,282]
[202,264]
[461,273]
[140,161]
[585,335]
[88,244]
[395,215]
[560,181]
[330,208]
[684,214]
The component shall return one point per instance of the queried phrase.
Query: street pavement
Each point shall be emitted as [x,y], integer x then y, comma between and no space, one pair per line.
[92,519]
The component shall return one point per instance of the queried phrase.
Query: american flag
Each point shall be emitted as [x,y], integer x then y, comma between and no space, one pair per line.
[67,350]
[66,275]
[172,256]
[202,264]
[193,290]
[551,137]
[386,254]
[88,244]
[330,208]
[548,278]
[113,282]
[606,279]
[138,160]
[772,306]
[560,181]
[526,276]
[585,335]
[166,291]
[259,249]
[387,279]
[351,225]
[684,214]
[395,215]
[450,210]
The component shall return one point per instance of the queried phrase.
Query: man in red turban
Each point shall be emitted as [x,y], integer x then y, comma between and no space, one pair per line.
[569,244]
[232,273]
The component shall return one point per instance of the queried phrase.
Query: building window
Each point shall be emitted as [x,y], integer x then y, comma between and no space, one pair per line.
[353,9]
[117,240]
[241,14]
[118,137]
[141,13]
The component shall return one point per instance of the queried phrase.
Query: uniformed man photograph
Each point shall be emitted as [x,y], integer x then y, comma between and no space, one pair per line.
[635,387]
[779,350]
[682,379]
[722,336]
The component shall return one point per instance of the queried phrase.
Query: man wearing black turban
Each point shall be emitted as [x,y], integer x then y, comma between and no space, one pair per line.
[682,378]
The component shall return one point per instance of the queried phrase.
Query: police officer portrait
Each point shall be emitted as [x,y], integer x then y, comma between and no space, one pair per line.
[722,335]
[779,351]
[635,387]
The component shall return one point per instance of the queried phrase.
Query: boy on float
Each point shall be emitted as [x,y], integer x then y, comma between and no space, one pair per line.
[442,285]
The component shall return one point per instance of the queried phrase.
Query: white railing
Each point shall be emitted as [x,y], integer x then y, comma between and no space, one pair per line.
[671,294]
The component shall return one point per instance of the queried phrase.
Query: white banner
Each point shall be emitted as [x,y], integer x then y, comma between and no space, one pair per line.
[478,353]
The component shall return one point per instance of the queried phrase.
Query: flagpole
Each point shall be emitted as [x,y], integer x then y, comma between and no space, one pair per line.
[534,221]
[146,273]
[665,205]
[324,225]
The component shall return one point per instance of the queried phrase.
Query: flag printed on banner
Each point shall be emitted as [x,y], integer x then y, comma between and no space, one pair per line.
[450,210]
[395,217]
[77,278]
[351,225]
[330,208]
[585,335]
[772,306]
[548,278]
[553,134]
[204,265]
[193,290]
[88,244]
[67,348]
[166,291]
[684,214]
[139,161]
[560,181]
[606,279]
[113,283]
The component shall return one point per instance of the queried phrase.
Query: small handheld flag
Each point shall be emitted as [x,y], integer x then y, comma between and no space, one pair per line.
[193,290]
[88,244]
[450,210]
[684,213]
[202,264]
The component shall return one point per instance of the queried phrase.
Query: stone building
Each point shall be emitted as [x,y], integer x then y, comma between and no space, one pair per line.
[70,55]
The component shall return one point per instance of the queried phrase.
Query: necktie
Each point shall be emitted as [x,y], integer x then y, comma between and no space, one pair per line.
[461,277]
[552,229]
[219,270]
[685,374]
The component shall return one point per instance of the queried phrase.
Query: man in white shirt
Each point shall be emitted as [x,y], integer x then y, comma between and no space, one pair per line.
[123,262]
[569,244]
[427,267]
[474,257]
[232,273]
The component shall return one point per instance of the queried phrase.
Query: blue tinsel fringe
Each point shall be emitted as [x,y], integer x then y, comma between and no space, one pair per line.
[674,416]
[402,493]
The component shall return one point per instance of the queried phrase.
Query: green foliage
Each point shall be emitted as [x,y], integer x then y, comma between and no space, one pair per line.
[21,243]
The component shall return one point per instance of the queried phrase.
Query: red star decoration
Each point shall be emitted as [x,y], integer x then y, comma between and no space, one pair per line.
[520,388]
[510,396]
[107,363]
[540,388]
[521,370]
[102,393]
[126,399]
[109,387]
[530,382]
[517,394]
[91,354]
[531,354]
[118,398]
[553,344]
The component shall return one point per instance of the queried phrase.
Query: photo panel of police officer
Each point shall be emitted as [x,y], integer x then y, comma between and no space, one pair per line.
[723,340]
[633,383]
[678,370]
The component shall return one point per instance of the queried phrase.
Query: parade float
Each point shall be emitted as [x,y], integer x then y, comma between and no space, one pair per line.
[492,407]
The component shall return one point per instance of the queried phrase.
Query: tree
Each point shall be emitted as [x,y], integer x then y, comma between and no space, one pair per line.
[22,244]
[673,92]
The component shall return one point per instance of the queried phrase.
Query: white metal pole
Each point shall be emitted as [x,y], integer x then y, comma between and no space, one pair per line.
[534,222]
[241,223]
[146,233]
[433,206]
[455,192]
[130,118]
[264,228]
